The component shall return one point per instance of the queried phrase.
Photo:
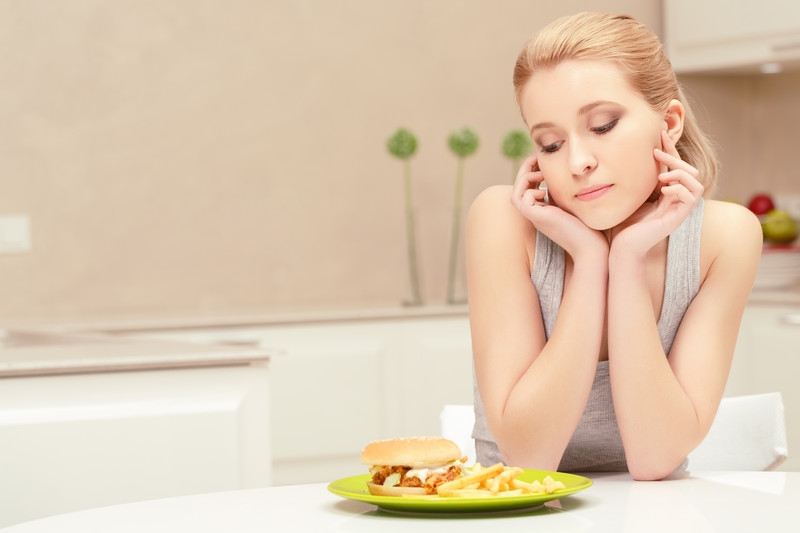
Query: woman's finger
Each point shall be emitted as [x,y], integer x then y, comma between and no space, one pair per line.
[668,146]
[527,182]
[530,197]
[678,193]
[529,164]
[669,155]
[674,162]
[683,178]
[528,177]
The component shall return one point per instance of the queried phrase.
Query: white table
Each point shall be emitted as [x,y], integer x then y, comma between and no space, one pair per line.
[705,501]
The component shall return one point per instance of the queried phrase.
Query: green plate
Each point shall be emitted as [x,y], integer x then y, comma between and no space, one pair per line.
[355,488]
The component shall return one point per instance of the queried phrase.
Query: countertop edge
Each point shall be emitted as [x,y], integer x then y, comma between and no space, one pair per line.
[157,322]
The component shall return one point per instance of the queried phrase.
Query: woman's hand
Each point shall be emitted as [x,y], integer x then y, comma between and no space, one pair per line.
[654,221]
[561,227]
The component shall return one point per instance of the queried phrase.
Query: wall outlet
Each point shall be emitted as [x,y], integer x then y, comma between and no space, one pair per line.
[15,234]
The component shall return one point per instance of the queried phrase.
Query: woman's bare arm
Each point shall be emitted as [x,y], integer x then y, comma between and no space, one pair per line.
[533,391]
[665,406]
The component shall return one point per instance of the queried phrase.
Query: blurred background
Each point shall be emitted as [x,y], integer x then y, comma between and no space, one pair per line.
[199,157]
[203,255]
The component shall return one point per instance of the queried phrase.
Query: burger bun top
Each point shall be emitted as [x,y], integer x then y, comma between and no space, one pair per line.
[411,451]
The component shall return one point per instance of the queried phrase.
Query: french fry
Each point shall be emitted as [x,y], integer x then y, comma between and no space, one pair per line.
[495,481]
[469,479]
[480,493]
[531,488]
[551,486]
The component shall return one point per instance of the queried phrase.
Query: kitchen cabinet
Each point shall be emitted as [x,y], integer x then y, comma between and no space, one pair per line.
[73,438]
[731,36]
[337,385]
[767,359]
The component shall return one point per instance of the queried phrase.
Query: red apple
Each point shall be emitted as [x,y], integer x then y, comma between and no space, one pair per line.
[761,204]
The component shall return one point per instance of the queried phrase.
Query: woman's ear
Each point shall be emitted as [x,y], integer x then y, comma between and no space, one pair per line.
[673,120]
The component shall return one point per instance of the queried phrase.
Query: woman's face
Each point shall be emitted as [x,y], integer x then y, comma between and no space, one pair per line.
[595,137]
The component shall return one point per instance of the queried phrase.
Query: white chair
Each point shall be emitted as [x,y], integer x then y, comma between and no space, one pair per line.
[748,433]
[456,425]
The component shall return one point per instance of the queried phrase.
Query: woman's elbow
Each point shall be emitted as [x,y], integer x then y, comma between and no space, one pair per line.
[652,470]
[649,475]
[526,457]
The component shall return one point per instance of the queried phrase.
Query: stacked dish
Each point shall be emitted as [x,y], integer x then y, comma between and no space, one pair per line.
[779,268]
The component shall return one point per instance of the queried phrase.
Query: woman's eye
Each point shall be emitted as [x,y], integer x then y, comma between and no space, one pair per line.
[550,148]
[606,128]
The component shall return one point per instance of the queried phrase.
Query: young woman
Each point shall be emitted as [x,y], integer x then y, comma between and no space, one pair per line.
[604,309]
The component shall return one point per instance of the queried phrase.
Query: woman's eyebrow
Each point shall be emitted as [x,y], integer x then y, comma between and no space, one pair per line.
[588,107]
[582,111]
[541,125]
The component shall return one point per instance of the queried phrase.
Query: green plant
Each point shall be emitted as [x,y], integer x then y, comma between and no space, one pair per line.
[403,144]
[463,143]
[516,145]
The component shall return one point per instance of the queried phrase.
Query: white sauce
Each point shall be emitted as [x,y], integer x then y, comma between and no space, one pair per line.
[424,472]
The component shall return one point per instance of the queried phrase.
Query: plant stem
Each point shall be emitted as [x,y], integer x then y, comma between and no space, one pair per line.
[451,277]
[412,247]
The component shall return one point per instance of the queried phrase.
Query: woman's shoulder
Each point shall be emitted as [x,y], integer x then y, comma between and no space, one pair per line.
[496,197]
[730,232]
[493,207]
[723,218]
[492,217]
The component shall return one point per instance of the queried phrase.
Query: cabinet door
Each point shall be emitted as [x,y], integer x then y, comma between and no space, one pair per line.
[75,442]
[724,34]
[327,400]
[772,363]
[435,369]
[339,385]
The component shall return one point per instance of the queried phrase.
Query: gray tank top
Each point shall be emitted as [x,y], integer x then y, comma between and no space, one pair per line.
[596,445]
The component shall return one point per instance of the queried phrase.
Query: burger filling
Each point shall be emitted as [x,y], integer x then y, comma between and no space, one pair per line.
[427,477]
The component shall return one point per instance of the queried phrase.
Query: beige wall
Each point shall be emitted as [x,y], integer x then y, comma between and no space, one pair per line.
[202,157]
[753,120]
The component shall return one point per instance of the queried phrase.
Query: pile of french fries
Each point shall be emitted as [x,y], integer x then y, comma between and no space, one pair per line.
[496,481]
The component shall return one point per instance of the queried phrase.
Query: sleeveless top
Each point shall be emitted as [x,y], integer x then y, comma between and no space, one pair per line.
[596,445]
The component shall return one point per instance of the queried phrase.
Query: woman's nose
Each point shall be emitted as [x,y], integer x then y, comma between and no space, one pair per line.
[581,159]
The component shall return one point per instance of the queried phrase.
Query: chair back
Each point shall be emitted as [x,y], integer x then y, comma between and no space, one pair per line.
[456,425]
[748,433]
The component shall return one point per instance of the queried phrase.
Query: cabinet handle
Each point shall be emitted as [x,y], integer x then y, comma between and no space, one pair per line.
[786,46]
[791,319]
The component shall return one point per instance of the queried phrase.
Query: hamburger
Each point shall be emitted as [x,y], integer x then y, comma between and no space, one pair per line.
[412,465]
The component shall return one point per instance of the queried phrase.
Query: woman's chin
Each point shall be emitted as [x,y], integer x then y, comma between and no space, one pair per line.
[600,223]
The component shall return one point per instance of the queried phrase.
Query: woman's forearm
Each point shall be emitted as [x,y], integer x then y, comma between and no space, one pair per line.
[656,419]
[546,404]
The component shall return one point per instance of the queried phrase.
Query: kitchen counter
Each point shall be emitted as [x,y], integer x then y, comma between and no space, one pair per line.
[150,322]
[702,501]
[31,353]
[786,296]
[88,420]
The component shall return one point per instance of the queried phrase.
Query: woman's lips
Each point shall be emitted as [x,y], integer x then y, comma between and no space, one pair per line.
[591,193]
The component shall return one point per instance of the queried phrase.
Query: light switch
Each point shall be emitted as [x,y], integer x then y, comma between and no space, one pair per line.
[15,234]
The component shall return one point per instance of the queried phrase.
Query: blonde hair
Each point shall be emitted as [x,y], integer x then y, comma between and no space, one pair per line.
[629,44]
